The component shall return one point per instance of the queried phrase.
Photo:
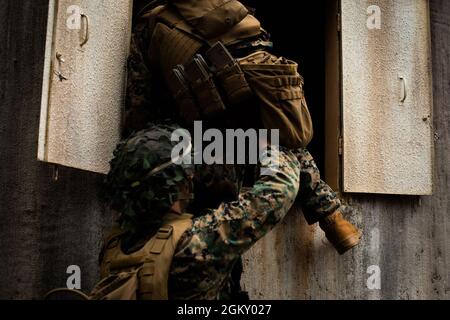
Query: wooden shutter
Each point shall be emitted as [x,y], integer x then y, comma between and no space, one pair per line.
[387,97]
[84,82]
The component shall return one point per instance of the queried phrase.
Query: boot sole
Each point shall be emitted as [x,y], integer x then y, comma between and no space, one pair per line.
[348,243]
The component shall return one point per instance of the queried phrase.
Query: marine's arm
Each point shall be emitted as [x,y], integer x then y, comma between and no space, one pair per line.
[231,229]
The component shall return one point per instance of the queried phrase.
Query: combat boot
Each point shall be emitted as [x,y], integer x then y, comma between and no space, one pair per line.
[341,233]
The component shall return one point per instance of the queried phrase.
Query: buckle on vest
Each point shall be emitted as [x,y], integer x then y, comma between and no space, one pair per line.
[164,232]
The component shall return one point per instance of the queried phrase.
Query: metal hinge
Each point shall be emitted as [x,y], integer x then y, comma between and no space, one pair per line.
[340,146]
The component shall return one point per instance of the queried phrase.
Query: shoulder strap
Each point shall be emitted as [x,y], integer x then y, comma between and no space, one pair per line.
[154,274]
[211,18]
[150,7]
[173,20]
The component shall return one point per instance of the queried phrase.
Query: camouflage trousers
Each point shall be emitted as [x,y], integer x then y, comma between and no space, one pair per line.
[316,198]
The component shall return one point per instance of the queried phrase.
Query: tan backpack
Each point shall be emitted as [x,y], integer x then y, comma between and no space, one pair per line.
[275,82]
[178,35]
[141,275]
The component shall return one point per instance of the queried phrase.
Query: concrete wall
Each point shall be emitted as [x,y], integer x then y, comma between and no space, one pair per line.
[406,237]
[46,226]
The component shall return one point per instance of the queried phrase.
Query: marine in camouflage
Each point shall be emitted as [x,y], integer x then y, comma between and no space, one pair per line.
[208,252]
[133,187]
[146,95]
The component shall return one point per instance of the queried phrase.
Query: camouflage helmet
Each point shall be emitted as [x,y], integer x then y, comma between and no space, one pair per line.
[143,182]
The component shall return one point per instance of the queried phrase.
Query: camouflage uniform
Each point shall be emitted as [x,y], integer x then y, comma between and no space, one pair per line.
[148,100]
[143,184]
[207,252]
[197,272]
[316,198]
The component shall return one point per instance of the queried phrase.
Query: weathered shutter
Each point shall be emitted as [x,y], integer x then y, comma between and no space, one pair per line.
[84,82]
[387,97]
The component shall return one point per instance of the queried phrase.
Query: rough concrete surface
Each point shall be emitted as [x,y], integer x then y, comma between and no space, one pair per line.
[387,144]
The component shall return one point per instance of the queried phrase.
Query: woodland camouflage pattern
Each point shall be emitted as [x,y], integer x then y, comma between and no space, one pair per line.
[207,253]
[147,100]
[316,197]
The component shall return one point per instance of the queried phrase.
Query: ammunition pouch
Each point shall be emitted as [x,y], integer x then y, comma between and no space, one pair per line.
[184,99]
[202,84]
[194,89]
[274,82]
[229,74]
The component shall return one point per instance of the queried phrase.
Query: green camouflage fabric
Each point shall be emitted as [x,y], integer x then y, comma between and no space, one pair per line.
[139,93]
[147,98]
[207,253]
[214,184]
[316,198]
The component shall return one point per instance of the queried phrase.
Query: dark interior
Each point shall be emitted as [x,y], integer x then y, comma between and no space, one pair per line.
[298,33]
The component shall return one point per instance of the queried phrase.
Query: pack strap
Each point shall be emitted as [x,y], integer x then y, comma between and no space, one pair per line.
[146,281]
[174,20]
[162,236]
[154,273]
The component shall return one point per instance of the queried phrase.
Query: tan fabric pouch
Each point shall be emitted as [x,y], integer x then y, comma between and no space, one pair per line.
[279,88]
[211,18]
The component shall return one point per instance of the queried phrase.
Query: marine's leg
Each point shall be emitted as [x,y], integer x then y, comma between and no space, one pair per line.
[321,204]
[317,199]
